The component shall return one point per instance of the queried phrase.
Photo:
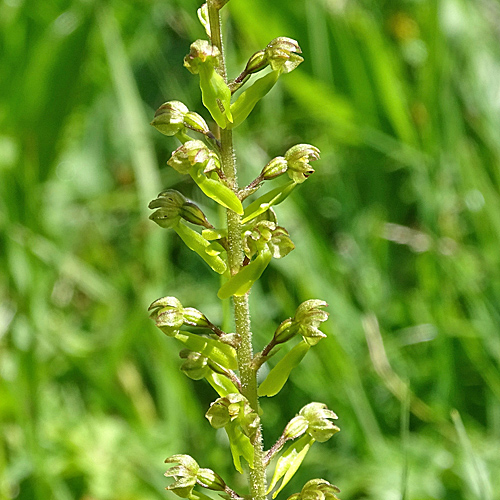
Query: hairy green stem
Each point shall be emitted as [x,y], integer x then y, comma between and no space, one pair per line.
[248,374]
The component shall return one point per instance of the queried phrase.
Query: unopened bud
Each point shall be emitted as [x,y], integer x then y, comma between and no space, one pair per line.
[195,365]
[192,213]
[274,168]
[170,205]
[194,121]
[210,480]
[193,317]
[295,428]
[257,62]
[169,117]
[287,330]
[168,314]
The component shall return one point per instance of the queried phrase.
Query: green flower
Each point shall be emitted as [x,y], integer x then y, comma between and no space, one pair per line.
[282,54]
[298,158]
[184,474]
[316,489]
[194,153]
[306,322]
[318,418]
[173,206]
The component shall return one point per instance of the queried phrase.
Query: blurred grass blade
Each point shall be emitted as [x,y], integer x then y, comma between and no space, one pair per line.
[475,471]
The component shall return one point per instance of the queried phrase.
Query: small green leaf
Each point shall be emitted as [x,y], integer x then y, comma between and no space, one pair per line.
[240,445]
[222,385]
[195,241]
[242,281]
[247,100]
[218,352]
[216,190]
[214,234]
[215,94]
[278,376]
[264,202]
[289,463]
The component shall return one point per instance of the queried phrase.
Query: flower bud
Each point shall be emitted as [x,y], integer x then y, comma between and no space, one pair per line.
[169,117]
[201,51]
[195,122]
[168,315]
[257,62]
[287,329]
[282,54]
[185,475]
[274,168]
[195,365]
[192,213]
[298,158]
[295,428]
[211,480]
[319,425]
[193,317]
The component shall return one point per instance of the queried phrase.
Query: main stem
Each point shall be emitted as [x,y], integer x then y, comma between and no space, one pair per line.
[248,375]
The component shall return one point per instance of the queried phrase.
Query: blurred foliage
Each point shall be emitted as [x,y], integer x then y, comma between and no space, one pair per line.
[398,231]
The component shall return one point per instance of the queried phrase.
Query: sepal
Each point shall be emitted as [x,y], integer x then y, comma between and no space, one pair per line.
[193,152]
[168,315]
[203,18]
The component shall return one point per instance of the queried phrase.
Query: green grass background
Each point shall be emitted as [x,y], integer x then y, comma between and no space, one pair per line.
[398,230]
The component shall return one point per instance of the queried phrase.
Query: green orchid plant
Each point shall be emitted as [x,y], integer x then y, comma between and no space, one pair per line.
[240,252]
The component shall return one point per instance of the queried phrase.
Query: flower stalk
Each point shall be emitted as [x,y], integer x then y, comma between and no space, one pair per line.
[240,252]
